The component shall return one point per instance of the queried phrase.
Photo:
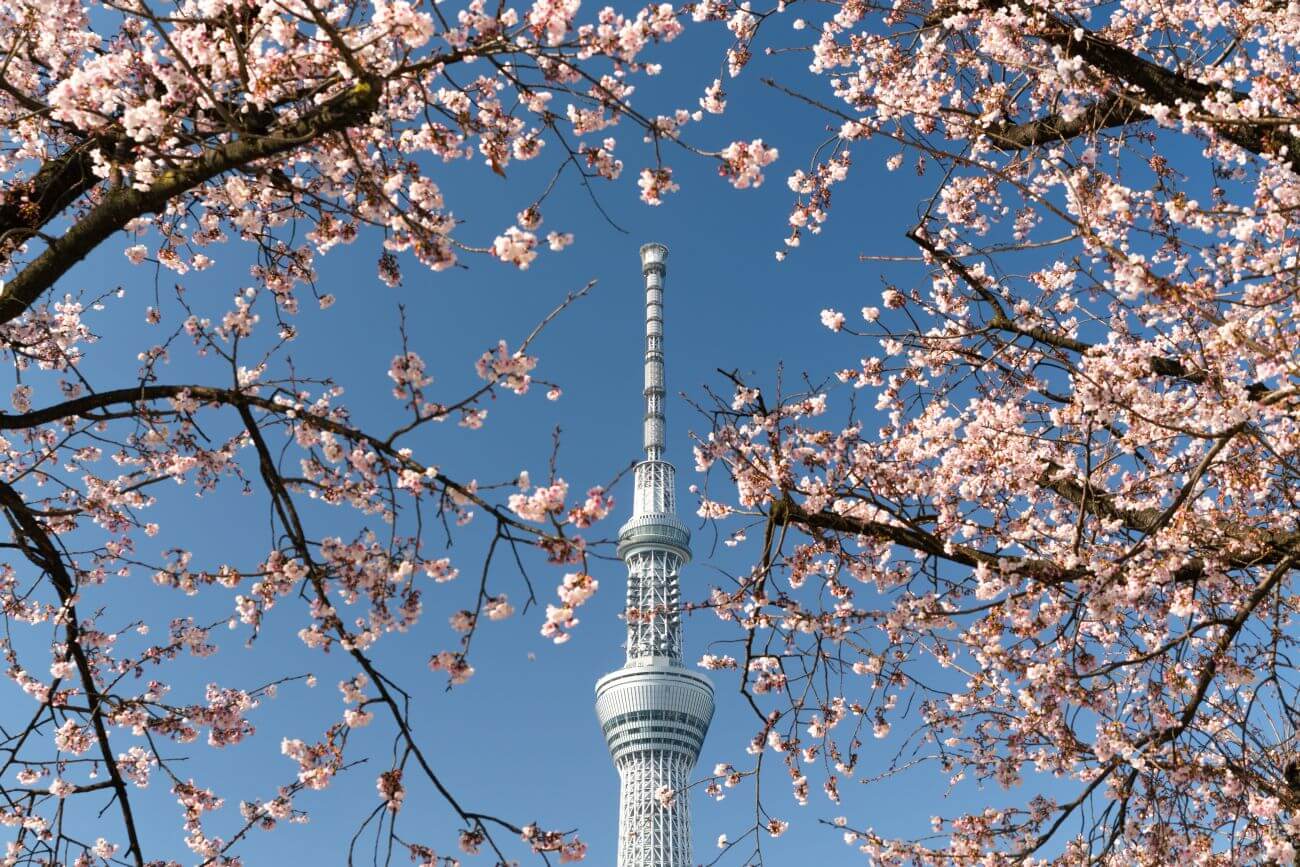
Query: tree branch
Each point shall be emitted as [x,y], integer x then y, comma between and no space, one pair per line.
[120,206]
[39,548]
[1113,111]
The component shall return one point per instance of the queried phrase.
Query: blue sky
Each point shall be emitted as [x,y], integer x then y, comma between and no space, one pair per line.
[520,739]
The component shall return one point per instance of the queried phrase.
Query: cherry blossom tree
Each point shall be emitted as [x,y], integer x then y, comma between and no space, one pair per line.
[1053,552]
[1043,534]
[163,131]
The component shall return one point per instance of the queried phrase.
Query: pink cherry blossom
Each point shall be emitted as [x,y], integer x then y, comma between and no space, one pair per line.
[516,246]
[832,319]
[742,162]
[655,184]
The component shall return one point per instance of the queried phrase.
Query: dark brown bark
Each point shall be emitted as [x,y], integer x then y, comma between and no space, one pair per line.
[39,548]
[57,183]
[1106,114]
[1154,84]
[1144,82]
[120,206]
[1159,85]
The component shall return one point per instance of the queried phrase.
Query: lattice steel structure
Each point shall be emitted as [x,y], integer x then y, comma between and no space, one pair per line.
[654,712]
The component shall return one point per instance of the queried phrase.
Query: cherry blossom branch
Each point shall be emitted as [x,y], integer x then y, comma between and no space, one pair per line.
[39,548]
[119,207]
[292,524]
[82,406]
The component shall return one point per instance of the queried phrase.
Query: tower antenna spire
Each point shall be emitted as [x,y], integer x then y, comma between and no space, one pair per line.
[653,712]
[654,267]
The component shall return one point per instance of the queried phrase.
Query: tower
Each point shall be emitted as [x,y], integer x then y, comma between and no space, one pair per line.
[654,713]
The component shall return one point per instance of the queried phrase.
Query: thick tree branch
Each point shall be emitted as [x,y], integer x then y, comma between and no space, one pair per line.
[57,183]
[1114,111]
[1160,365]
[1170,89]
[87,404]
[1000,319]
[787,511]
[1154,83]
[120,206]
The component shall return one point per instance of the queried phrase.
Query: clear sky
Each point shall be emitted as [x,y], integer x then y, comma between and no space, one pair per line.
[520,739]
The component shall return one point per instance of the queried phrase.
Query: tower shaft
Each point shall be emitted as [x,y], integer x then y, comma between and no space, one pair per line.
[653,712]
[651,832]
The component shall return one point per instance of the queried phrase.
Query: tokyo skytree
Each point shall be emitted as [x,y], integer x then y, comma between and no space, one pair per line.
[654,712]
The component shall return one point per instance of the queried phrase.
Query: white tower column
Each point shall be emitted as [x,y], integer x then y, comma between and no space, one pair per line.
[654,713]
